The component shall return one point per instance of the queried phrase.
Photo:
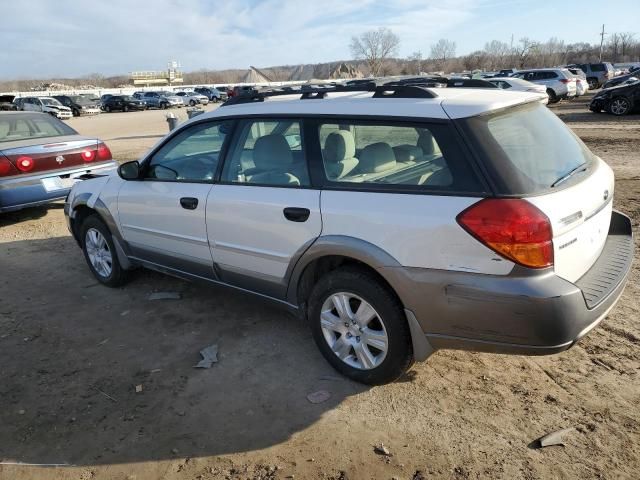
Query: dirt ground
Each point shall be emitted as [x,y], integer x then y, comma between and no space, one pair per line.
[72,353]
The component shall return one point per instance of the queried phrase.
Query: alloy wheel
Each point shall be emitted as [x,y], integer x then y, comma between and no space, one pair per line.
[354,331]
[619,106]
[98,252]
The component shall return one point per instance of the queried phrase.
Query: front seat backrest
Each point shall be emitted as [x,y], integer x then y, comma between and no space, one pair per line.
[376,158]
[273,161]
[339,154]
[427,143]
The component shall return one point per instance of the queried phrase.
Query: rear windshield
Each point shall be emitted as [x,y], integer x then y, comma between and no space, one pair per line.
[527,149]
[23,127]
[598,67]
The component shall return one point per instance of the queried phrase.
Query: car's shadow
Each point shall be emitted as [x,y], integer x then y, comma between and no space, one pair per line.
[92,375]
[31,213]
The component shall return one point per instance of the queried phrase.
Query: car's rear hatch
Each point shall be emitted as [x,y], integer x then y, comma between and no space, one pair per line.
[529,153]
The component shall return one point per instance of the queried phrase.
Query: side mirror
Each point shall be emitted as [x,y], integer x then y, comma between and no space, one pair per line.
[129,170]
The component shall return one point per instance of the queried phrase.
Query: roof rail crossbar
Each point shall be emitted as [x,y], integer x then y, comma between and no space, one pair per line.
[308,92]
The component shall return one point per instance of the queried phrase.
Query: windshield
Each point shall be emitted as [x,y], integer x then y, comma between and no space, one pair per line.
[528,148]
[80,100]
[51,101]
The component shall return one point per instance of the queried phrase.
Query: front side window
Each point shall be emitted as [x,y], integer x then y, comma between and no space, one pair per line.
[402,155]
[270,153]
[190,156]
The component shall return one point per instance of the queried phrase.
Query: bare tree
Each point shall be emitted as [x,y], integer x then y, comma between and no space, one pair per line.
[496,54]
[375,47]
[626,41]
[524,51]
[415,59]
[443,51]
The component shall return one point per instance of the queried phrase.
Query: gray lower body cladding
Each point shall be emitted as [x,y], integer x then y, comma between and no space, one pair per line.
[526,312]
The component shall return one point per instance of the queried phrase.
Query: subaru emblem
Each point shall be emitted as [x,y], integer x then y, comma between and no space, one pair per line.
[60,159]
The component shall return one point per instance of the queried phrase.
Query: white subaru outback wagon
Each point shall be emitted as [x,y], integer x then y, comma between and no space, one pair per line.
[395,220]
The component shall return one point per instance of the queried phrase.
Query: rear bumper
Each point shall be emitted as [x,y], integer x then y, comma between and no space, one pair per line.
[24,191]
[526,312]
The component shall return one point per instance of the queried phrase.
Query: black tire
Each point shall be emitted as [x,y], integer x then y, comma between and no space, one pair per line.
[163,106]
[108,108]
[215,99]
[192,103]
[619,106]
[76,113]
[553,98]
[125,108]
[593,83]
[118,275]
[363,284]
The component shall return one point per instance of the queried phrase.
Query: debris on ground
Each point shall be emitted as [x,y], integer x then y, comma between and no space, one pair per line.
[139,388]
[553,438]
[319,396]
[382,450]
[107,395]
[209,357]
[21,412]
[125,313]
[103,342]
[165,296]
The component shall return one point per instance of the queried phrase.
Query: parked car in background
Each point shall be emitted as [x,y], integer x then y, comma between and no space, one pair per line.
[214,94]
[42,157]
[227,89]
[597,73]
[506,72]
[92,98]
[78,104]
[104,98]
[559,82]
[193,98]
[46,105]
[518,85]
[621,79]
[7,103]
[123,103]
[619,100]
[582,86]
[162,100]
[403,221]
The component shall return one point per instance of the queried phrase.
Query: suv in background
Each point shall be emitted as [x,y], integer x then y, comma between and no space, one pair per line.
[559,82]
[506,72]
[78,104]
[161,100]
[46,105]
[597,73]
[212,93]
[405,219]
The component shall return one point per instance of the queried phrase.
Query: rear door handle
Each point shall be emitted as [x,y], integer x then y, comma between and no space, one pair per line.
[296,214]
[189,203]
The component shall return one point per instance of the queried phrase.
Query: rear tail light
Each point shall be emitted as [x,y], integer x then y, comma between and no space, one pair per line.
[513,228]
[103,152]
[6,168]
[25,164]
[88,155]
[564,80]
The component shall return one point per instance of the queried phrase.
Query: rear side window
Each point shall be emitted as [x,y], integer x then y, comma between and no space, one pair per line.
[527,149]
[359,153]
[598,67]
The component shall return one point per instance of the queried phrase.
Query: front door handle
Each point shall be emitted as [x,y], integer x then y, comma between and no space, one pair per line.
[296,214]
[189,203]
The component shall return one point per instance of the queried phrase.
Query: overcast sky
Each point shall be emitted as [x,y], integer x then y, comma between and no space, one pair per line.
[68,38]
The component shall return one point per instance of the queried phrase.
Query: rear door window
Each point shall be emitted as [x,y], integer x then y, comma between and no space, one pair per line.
[360,154]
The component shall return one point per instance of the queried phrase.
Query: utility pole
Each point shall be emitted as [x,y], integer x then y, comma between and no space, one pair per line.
[602,34]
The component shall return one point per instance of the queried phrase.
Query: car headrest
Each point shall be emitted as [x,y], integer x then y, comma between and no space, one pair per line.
[377,157]
[272,152]
[339,146]
[407,153]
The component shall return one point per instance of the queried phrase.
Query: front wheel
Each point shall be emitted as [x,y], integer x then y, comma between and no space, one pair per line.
[192,103]
[125,108]
[619,106]
[163,106]
[100,253]
[360,327]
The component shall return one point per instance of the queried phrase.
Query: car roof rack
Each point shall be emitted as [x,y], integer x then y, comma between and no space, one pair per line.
[313,92]
[438,81]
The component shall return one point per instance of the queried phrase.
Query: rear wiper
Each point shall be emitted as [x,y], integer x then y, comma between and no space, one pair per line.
[567,176]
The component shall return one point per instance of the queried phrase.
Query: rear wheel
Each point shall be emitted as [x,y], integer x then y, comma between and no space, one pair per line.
[100,253]
[163,106]
[192,103]
[108,108]
[553,98]
[593,83]
[125,108]
[619,106]
[360,327]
